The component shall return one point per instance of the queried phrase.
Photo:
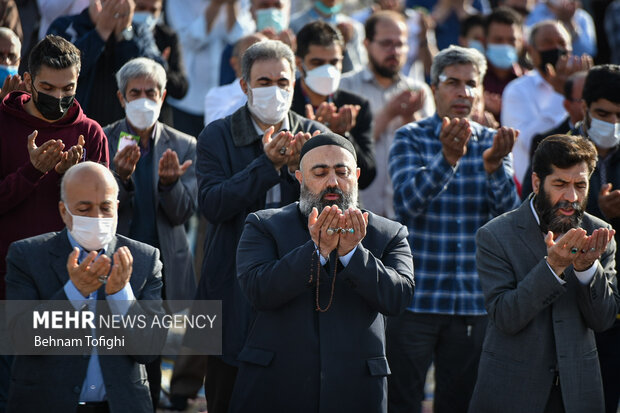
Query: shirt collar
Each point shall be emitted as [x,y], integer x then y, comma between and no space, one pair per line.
[534,211]
[285,126]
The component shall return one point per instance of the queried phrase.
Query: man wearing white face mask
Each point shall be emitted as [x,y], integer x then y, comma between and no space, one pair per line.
[601,124]
[318,96]
[245,163]
[153,165]
[84,263]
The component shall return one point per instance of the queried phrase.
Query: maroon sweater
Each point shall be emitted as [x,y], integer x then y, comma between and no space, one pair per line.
[29,198]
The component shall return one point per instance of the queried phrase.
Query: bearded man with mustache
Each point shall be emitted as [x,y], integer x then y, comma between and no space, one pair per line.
[547,271]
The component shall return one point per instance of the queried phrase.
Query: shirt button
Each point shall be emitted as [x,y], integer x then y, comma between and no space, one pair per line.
[458,245]
[458,221]
[92,387]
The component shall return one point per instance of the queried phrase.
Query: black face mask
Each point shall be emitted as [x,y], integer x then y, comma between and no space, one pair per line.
[50,107]
[550,56]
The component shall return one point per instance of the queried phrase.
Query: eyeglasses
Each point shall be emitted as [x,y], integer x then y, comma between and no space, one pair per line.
[11,58]
[388,44]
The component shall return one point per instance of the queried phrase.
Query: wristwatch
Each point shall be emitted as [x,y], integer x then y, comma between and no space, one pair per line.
[127,33]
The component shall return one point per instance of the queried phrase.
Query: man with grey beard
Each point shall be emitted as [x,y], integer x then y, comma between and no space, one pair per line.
[320,273]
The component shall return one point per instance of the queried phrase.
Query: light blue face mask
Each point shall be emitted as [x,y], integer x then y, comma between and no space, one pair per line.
[475,44]
[6,71]
[501,56]
[270,18]
[144,18]
[328,10]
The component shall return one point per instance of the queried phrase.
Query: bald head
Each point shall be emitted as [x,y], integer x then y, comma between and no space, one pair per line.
[87,171]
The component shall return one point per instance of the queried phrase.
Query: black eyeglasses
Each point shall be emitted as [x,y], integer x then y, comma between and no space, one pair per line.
[388,44]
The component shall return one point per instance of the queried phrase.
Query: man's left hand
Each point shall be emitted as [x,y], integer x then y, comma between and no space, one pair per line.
[609,201]
[121,271]
[592,250]
[503,141]
[294,149]
[352,218]
[169,168]
[70,157]
[344,119]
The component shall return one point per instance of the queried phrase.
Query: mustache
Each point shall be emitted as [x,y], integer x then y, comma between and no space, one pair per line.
[332,190]
[568,205]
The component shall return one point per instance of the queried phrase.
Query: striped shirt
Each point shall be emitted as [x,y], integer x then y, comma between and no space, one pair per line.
[443,207]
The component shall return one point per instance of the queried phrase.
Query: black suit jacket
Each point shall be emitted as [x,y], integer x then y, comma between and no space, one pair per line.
[49,383]
[360,135]
[296,358]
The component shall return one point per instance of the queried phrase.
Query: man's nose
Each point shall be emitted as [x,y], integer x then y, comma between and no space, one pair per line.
[570,194]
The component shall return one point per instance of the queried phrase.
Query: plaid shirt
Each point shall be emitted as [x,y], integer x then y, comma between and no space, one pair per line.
[443,207]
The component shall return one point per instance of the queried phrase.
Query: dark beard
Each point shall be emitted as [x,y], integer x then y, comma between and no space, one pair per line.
[551,220]
[309,200]
[382,70]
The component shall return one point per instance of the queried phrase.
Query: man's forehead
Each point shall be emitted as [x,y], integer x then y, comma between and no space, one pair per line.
[271,68]
[329,155]
[141,82]
[579,170]
[462,71]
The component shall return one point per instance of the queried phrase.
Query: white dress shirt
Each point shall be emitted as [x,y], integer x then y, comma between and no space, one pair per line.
[222,101]
[532,106]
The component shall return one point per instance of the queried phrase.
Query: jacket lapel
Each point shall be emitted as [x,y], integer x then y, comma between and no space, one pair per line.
[529,231]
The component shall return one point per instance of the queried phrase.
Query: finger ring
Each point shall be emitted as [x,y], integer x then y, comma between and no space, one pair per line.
[574,250]
[103,279]
[403,106]
[351,230]
[117,15]
[592,249]
[330,231]
[283,150]
[456,140]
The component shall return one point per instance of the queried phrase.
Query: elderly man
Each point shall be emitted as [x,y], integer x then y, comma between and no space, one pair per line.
[394,99]
[246,162]
[10,52]
[548,274]
[320,289]
[86,261]
[154,168]
[533,103]
[450,176]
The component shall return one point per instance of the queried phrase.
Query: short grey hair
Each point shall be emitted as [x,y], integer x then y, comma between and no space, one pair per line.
[266,50]
[457,55]
[7,33]
[86,165]
[141,67]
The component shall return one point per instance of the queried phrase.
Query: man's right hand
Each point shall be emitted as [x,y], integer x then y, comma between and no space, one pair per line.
[10,84]
[454,136]
[405,104]
[557,75]
[609,201]
[85,276]
[104,13]
[277,148]
[126,160]
[46,156]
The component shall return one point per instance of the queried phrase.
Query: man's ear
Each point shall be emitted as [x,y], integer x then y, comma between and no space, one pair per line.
[64,215]
[535,183]
[244,85]
[299,63]
[357,172]
[299,176]
[28,82]
[121,100]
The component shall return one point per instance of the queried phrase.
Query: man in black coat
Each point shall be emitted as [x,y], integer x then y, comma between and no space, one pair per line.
[321,274]
[320,49]
[245,162]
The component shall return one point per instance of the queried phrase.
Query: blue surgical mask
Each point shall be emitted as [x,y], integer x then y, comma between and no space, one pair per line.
[475,44]
[6,71]
[270,18]
[605,135]
[145,18]
[328,10]
[501,56]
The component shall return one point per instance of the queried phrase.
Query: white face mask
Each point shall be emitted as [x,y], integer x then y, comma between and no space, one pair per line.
[269,104]
[142,113]
[605,135]
[323,80]
[145,18]
[92,233]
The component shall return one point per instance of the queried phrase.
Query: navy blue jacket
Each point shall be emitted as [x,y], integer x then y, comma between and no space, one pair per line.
[234,175]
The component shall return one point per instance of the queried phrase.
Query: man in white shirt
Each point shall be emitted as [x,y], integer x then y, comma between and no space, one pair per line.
[533,103]
[395,99]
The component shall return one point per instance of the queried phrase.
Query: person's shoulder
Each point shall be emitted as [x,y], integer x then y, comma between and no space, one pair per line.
[37,242]
[385,225]
[590,222]
[522,83]
[277,213]
[349,98]
[177,134]
[136,247]
[110,128]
